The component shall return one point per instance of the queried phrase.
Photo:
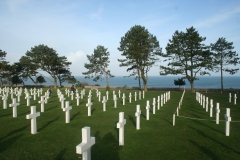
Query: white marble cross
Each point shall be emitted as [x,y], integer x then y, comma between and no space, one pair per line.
[28,99]
[211,107]
[217,113]
[113,94]
[34,94]
[68,92]
[18,95]
[158,102]
[201,96]
[139,94]
[38,92]
[230,97]
[67,112]
[123,98]
[33,117]
[120,125]
[62,100]
[107,94]
[164,98]
[137,114]
[4,98]
[11,93]
[31,91]
[77,97]
[154,103]
[104,101]
[228,119]
[119,94]
[161,100]
[203,101]
[135,96]
[84,148]
[89,104]
[147,110]
[206,104]
[235,99]
[99,96]
[42,101]
[143,94]
[130,97]
[90,96]
[82,94]
[115,101]
[97,92]
[14,107]
[46,97]
[72,95]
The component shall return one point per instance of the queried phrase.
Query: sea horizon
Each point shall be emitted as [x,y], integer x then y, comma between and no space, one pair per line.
[156,82]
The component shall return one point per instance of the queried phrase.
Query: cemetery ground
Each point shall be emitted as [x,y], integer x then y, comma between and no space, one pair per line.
[197,136]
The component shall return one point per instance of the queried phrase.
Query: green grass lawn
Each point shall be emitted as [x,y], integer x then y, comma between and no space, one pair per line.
[157,138]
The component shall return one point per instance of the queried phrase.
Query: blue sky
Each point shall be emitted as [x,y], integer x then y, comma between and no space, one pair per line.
[74,28]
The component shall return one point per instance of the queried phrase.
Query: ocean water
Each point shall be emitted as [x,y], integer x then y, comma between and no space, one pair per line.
[160,82]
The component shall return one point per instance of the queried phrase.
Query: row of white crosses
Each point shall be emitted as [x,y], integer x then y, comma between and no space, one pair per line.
[201,100]
[179,107]
[235,98]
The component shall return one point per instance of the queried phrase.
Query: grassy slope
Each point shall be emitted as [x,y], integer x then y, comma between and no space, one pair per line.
[157,139]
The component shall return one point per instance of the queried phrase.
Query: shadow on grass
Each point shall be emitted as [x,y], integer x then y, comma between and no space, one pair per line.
[132,120]
[93,110]
[106,147]
[196,121]
[61,154]
[214,140]
[6,115]
[47,124]
[8,143]
[50,108]
[144,116]
[14,132]
[205,150]
[25,113]
[74,116]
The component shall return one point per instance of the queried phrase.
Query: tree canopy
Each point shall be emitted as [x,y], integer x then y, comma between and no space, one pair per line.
[46,59]
[141,50]
[98,65]
[224,57]
[187,55]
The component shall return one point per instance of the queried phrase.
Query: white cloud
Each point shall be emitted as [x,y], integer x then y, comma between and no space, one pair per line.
[218,18]
[78,59]
[74,57]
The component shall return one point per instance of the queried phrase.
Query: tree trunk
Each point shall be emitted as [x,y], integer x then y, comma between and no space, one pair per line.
[221,78]
[144,82]
[55,81]
[1,82]
[139,81]
[192,87]
[107,81]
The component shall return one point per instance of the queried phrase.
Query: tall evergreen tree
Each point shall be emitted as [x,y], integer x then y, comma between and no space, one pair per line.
[224,57]
[141,50]
[187,55]
[98,65]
